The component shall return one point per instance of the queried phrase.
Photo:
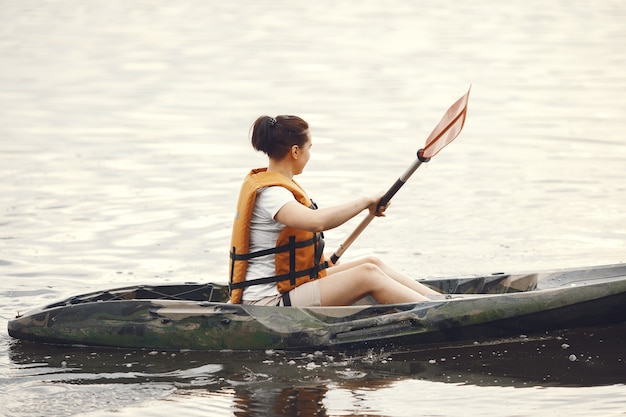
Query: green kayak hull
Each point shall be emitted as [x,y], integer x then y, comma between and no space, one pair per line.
[197,316]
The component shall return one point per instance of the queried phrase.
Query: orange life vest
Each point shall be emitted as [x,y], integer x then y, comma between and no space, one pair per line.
[298,254]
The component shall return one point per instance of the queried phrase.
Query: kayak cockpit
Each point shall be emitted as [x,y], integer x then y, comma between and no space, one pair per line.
[218,293]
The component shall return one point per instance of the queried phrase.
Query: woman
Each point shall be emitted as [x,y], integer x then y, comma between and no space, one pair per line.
[277,243]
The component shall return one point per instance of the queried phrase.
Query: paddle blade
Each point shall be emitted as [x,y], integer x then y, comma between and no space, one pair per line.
[448,128]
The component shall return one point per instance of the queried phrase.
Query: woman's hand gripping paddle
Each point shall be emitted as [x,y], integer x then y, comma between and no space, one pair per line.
[445,132]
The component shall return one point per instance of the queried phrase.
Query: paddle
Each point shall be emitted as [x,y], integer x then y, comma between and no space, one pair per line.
[445,132]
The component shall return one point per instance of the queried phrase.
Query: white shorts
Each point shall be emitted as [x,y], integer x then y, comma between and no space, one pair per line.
[305,295]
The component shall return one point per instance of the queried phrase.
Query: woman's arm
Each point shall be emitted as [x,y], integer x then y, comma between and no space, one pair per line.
[296,215]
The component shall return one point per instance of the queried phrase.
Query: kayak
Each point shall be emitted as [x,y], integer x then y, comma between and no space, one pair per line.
[197,316]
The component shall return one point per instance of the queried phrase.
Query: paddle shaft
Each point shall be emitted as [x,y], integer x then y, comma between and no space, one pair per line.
[383,202]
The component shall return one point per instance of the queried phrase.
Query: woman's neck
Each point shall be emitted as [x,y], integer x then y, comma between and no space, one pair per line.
[280,168]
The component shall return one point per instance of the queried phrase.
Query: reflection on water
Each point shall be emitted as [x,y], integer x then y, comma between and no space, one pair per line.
[123,141]
[319,383]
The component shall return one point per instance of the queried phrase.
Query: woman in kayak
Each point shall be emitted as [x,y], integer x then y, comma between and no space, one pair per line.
[277,242]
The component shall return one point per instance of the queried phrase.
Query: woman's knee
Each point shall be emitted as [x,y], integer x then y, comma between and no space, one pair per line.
[370,259]
[372,273]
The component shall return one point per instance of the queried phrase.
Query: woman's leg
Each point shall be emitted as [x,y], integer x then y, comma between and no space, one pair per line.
[350,283]
[392,273]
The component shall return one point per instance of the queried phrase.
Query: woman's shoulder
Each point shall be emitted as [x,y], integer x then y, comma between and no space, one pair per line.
[273,198]
[275,191]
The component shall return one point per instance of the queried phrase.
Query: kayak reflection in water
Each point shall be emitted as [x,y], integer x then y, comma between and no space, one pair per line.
[277,241]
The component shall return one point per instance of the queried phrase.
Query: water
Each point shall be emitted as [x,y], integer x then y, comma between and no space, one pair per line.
[123,140]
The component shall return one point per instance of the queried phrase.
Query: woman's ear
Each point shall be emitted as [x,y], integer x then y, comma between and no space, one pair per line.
[295,149]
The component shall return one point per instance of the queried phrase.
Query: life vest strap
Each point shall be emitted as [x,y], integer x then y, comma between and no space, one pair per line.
[283,277]
[282,248]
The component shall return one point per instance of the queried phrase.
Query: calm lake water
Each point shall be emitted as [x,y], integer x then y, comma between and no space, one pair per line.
[124,138]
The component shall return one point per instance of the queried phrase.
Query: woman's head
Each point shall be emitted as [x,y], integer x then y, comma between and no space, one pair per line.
[276,136]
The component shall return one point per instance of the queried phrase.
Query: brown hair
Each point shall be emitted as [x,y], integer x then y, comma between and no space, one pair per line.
[276,136]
